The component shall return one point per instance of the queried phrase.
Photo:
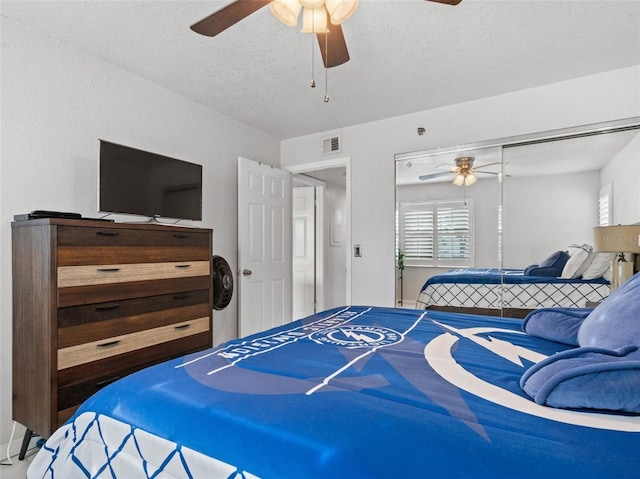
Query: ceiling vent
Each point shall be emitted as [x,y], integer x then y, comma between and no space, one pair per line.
[331,145]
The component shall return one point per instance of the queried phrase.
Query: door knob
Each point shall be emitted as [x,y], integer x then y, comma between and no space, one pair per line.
[246,272]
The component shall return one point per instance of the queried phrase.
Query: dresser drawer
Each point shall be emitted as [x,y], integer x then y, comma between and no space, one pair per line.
[100,293]
[69,276]
[81,236]
[115,345]
[117,366]
[90,331]
[84,246]
[103,311]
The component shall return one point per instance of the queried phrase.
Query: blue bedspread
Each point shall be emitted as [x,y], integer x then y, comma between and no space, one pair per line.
[365,392]
[499,276]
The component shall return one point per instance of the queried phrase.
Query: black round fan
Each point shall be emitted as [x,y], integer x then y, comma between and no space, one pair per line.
[222,282]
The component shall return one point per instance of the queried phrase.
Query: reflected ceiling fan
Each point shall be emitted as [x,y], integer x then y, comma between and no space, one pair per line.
[322,17]
[463,169]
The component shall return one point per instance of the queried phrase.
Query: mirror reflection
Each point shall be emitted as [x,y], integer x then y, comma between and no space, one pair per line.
[495,235]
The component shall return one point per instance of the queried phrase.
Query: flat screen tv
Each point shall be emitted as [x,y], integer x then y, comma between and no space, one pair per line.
[137,182]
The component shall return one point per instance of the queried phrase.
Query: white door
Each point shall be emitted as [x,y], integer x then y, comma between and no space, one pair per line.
[264,246]
[304,258]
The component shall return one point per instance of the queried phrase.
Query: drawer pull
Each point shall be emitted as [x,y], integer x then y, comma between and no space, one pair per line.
[109,344]
[181,236]
[107,270]
[183,266]
[107,233]
[182,326]
[181,296]
[104,382]
[107,307]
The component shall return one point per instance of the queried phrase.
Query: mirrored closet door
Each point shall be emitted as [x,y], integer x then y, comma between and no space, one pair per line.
[496,208]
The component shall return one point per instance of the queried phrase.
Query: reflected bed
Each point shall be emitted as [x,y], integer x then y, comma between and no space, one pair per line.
[486,291]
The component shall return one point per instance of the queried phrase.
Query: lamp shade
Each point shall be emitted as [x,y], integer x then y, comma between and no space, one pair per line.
[286,11]
[314,20]
[617,239]
[340,10]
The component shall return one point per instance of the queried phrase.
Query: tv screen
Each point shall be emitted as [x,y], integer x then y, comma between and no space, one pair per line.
[137,182]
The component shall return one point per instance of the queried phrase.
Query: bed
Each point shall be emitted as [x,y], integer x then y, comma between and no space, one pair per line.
[358,392]
[490,291]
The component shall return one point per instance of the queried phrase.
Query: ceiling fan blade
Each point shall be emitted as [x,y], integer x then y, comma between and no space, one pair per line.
[448,167]
[227,16]
[433,175]
[488,164]
[447,2]
[333,47]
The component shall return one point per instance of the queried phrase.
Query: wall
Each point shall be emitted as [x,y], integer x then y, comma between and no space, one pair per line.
[558,210]
[56,103]
[623,172]
[372,146]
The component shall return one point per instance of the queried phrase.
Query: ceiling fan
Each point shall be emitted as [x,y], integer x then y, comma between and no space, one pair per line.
[463,170]
[322,17]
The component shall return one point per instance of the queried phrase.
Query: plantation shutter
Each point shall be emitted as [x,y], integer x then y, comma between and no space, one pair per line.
[436,234]
[453,234]
[418,234]
[605,210]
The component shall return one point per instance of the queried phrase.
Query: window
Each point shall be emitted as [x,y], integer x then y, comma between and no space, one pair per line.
[605,208]
[436,233]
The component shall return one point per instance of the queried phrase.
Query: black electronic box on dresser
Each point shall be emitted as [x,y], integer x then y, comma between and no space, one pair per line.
[94,301]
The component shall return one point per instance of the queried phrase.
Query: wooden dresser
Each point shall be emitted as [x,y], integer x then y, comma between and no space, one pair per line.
[94,301]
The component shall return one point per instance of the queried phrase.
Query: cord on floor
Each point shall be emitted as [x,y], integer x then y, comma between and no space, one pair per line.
[7,461]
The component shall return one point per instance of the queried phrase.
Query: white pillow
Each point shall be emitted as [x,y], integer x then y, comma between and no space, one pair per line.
[599,265]
[579,260]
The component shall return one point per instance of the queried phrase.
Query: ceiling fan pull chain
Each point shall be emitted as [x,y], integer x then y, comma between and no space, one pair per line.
[326,70]
[313,64]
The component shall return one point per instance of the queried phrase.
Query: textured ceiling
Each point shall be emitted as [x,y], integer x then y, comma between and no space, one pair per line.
[406,56]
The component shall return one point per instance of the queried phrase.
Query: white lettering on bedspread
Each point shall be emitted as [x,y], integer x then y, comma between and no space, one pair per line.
[268,343]
[261,345]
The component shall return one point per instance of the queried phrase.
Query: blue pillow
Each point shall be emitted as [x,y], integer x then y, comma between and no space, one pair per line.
[616,321]
[591,378]
[556,324]
[551,266]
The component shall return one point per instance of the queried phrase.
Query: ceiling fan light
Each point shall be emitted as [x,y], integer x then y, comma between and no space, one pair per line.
[312,3]
[340,10]
[286,11]
[470,179]
[314,20]
[459,181]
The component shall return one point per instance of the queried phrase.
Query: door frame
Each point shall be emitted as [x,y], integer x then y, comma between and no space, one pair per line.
[325,165]
[319,243]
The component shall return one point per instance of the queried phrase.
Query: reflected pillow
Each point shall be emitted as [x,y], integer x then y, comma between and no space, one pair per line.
[599,265]
[551,266]
[580,258]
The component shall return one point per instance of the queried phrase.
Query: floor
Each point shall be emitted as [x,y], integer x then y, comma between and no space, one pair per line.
[18,470]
